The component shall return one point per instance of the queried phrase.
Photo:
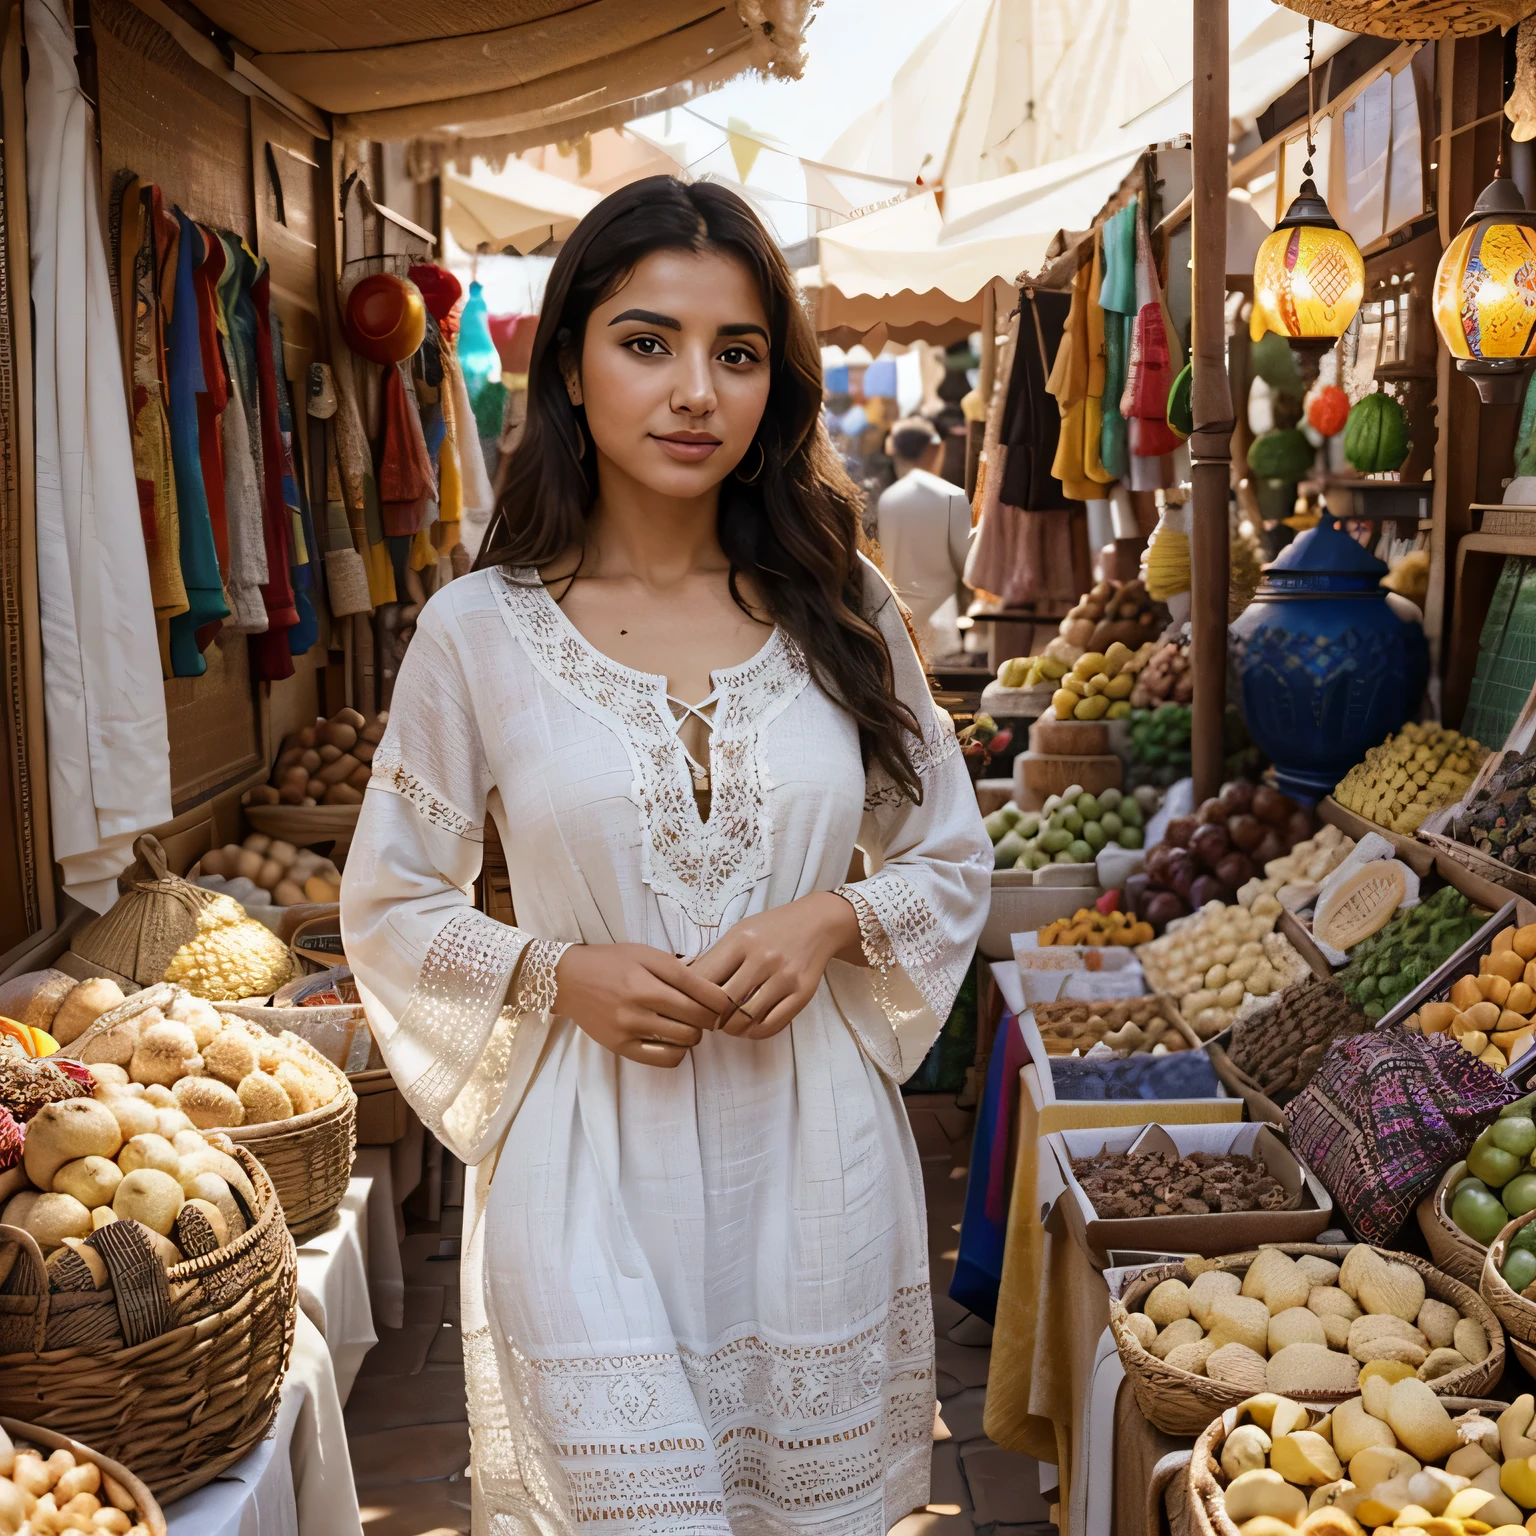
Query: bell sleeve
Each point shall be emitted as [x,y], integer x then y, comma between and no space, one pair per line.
[458,1002]
[922,906]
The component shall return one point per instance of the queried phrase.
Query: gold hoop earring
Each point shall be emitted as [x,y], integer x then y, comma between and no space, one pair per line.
[762,464]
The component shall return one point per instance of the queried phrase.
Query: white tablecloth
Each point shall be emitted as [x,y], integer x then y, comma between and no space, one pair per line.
[333,1280]
[298,1482]
[386,1280]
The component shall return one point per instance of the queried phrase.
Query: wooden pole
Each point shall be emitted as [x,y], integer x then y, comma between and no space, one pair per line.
[1210,449]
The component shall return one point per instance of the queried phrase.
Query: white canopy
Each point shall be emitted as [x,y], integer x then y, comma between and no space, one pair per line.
[518,206]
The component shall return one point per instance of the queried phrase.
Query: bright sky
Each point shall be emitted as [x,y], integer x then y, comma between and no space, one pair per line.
[856,46]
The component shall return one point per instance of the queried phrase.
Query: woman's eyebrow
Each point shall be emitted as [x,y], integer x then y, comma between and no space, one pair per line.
[747,329]
[650,317]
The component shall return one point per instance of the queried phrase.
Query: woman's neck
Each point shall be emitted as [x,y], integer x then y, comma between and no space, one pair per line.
[656,539]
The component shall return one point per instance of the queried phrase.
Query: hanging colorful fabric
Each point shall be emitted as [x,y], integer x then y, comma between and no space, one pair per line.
[405,471]
[1068,382]
[194,629]
[273,659]
[307,630]
[1117,297]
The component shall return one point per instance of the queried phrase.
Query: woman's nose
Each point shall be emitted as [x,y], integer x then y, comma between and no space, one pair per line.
[694,391]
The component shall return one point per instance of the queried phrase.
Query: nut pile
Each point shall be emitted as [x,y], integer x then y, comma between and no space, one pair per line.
[1392,1458]
[44,1492]
[1282,1048]
[1307,1324]
[1409,775]
[1131,1025]
[266,870]
[327,763]
[1130,1185]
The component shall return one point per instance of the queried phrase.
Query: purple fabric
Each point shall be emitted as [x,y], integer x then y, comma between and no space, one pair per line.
[1014,1056]
[1386,1114]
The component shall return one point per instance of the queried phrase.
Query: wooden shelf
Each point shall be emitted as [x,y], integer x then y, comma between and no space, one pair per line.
[1357,499]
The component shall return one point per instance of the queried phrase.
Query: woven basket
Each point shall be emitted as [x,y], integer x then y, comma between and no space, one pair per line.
[306,825]
[1207,1492]
[1452,1250]
[147,1510]
[309,1158]
[1511,1308]
[180,1407]
[1181,1403]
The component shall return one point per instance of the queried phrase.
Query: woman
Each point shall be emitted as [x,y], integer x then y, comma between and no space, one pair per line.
[696,1290]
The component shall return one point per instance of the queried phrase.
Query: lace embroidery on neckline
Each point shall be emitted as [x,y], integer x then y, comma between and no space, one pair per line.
[702,865]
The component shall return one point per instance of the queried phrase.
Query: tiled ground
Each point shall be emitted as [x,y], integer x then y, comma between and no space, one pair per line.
[410,1440]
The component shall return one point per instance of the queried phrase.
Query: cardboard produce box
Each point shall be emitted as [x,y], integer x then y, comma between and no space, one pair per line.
[1209,1236]
[1084,972]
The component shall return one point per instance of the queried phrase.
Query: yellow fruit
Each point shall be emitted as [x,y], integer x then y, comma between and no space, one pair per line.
[1518,1480]
[1092,708]
[1119,687]
[1089,664]
[1064,701]
[1119,710]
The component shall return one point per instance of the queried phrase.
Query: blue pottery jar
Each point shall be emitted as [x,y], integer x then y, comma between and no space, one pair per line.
[1331,663]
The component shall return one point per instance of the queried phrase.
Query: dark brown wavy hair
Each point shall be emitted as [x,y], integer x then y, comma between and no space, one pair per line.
[794,531]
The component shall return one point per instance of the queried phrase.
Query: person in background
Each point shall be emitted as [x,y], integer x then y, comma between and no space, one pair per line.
[924,531]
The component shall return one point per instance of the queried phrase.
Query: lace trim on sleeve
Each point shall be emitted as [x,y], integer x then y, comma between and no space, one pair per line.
[536,983]
[390,773]
[898,930]
[939,743]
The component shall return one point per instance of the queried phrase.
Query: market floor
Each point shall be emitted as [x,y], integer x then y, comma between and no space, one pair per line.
[410,1440]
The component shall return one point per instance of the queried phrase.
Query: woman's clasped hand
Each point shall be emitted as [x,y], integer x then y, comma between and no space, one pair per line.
[651,1007]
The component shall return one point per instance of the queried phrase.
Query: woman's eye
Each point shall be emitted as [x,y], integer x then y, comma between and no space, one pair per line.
[737,357]
[646,346]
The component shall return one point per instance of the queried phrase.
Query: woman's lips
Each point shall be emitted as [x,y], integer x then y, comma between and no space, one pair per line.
[688,448]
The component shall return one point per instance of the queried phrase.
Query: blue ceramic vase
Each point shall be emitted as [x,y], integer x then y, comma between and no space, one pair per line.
[1331,663]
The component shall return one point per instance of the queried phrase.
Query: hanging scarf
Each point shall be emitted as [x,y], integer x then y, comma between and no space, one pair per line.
[405,470]
[273,659]
[1117,298]
[240,435]
[307,630]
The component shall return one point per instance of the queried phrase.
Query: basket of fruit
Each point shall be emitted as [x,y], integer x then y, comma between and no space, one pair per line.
[1384,1459]
[1491,1014]
[1477,1198]
[150,1290]
[270,1092]
[46,1478]
[1300,1318]
[1071,828]
[1509,1285]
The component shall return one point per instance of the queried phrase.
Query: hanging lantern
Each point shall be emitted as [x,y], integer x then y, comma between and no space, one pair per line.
[1485,294]
[1308,280]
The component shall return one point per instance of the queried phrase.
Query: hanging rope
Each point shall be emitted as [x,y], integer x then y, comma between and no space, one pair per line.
[1311,108]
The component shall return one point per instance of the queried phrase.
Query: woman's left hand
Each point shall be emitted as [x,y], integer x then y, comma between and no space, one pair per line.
[771,965]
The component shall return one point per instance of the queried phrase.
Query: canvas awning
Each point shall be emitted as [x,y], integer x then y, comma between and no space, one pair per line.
[517,206]
[460,68]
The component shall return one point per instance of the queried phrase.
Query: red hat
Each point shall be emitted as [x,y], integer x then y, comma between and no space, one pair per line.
[385,318]
[439,287]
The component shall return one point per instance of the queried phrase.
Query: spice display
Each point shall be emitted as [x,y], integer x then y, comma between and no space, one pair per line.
[1070,828]
[1282,1048]
[1297,877]
[1500,819]
[1220,960]
[1213,854]
[1391,1458]
[265,871]
[1129,1026]
[327,763]
[1090,926]
[1126,1185]
[1409,775]
[44,1491]
[1386,967]
[1490,1014]
[1500,1182]
[1166,678]
[1099,685]
[1307,1324]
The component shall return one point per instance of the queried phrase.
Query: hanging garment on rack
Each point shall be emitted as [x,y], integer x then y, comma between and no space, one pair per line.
[193,631]
[240,436]
[1031,427]
[1156,359]
[305,550]
[1117,298]
[404,473]
[270,653]
[144,345]
[1076,373]
[109,773]
[215,395]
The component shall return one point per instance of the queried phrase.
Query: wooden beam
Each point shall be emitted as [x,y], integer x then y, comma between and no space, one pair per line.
[1210,448]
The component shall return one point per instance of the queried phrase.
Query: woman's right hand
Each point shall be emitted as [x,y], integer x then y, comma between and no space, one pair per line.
[638,1002]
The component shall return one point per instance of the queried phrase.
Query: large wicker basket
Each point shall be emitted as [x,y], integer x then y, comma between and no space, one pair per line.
[1458,1255]
[309,1157]
[1207,1493]
[1181,1403]
[146,1509]
[1511,1308]
[181,1407]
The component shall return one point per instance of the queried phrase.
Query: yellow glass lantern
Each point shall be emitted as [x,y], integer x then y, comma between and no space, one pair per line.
[1485,293]
[1308,280]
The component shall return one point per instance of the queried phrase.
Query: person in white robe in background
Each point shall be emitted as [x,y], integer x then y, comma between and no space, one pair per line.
[695,1266]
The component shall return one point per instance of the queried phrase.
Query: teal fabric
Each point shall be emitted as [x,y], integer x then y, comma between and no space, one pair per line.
[1117,298]
[1117,291]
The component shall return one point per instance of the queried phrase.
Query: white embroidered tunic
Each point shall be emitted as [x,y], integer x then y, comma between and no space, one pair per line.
[695,1300]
